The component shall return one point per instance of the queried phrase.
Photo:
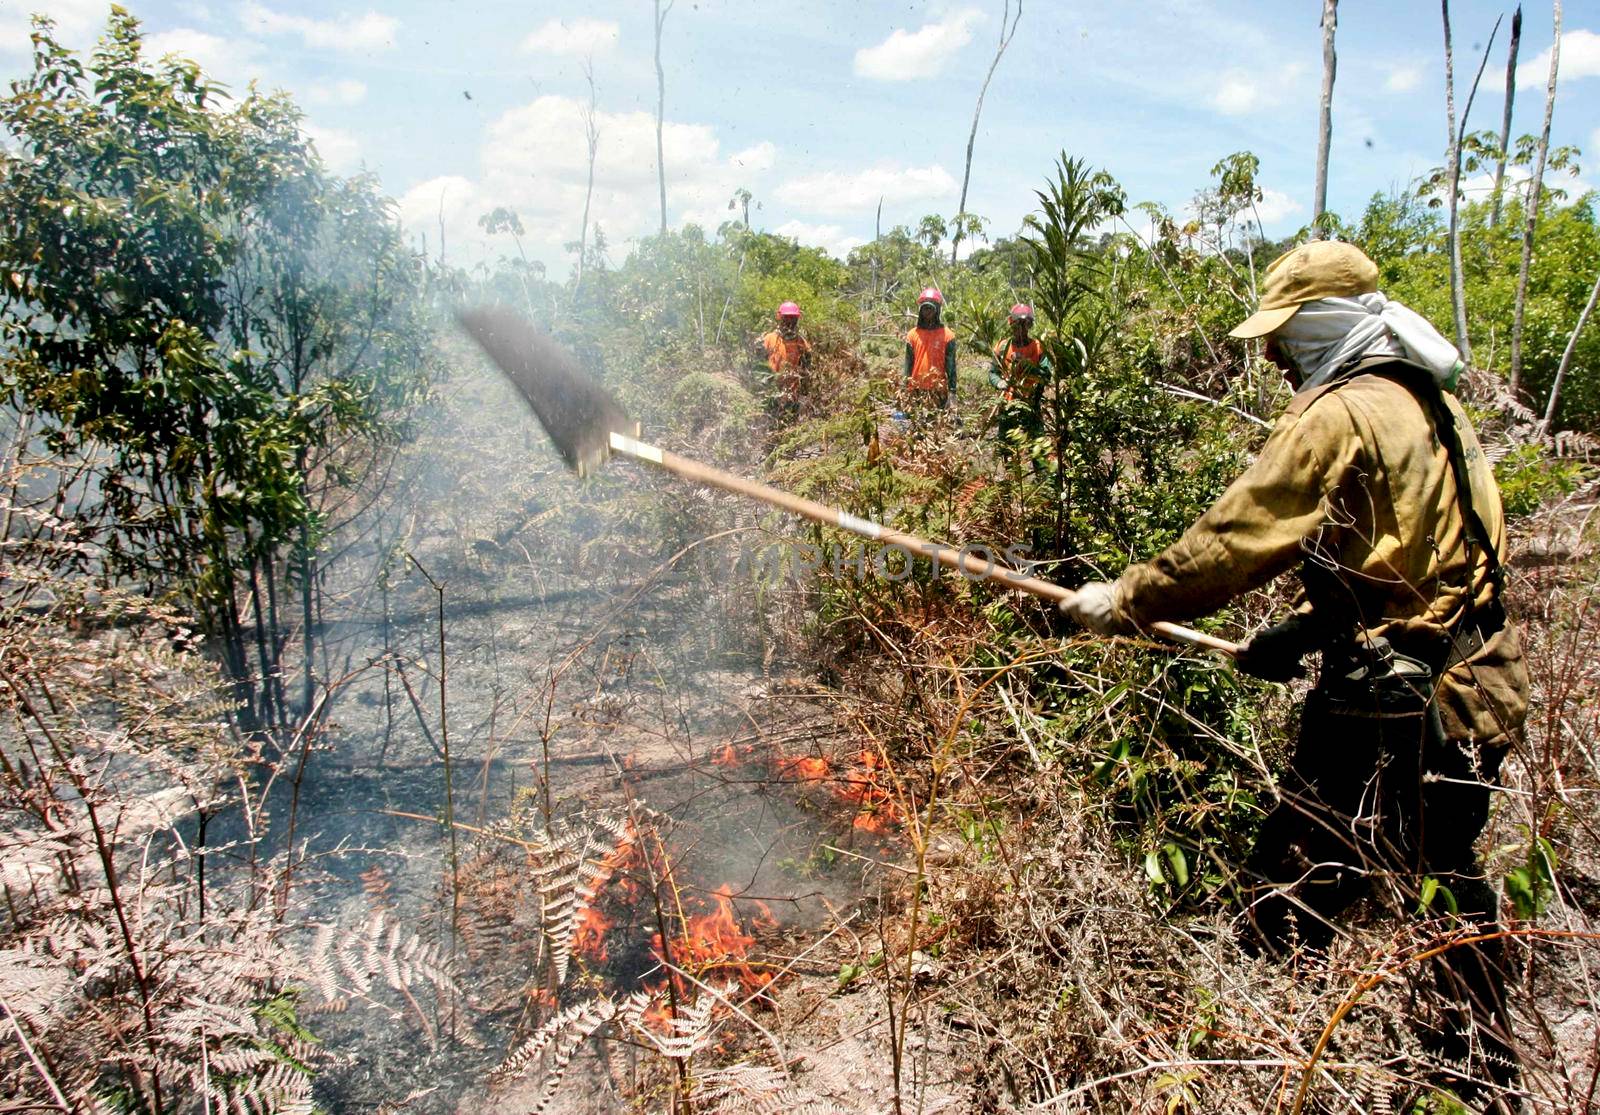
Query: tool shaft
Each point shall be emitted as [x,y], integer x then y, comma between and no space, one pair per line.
[964,561]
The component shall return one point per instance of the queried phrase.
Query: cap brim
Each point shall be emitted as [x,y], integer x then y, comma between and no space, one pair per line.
[1262,322]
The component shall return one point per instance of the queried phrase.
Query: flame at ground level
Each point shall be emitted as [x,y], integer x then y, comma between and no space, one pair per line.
[715,943]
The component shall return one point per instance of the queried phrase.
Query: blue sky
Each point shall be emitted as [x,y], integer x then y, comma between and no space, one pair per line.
[822,107]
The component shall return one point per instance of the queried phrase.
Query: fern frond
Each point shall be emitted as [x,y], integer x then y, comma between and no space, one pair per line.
[31,986]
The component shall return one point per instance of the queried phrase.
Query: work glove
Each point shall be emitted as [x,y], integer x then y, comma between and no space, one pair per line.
[1094,606]
[1274,653]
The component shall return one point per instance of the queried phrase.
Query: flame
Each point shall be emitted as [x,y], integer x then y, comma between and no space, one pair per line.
[623,864]
[589,935]
[807,768]
[716,942]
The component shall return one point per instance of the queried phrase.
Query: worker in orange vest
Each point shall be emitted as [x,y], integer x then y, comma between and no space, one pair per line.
[1021,369]
[931,354]
[788,354]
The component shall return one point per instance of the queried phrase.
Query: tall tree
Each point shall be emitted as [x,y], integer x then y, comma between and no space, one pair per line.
[591,135]
[209,320]
[1458,285]
[1505,117]
[1566,358]
[1531,208]
[661,109]
[1006,32]
[1330,22]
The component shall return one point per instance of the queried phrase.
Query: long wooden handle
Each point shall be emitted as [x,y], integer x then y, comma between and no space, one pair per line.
[961,560]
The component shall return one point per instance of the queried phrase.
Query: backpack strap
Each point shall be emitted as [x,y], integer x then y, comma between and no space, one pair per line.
[1420,382]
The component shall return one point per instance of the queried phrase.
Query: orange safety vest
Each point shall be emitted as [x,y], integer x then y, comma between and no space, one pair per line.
[927,357]
[784,357]
[1030,355]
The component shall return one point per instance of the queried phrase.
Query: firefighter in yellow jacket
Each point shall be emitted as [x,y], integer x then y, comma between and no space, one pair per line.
[1373,484]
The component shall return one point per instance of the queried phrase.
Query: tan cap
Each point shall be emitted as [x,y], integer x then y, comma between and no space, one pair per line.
[1320,269]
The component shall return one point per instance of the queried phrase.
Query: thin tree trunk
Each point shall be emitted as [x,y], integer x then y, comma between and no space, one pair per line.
[1458,303]
[661,109]
[1566,358]
[972,137]
[1330,22]
[1505,117]
[308,621]
[1458,280]
[591,132]
[1531,207]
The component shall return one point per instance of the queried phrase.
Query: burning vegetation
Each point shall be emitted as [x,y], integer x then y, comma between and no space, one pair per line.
[354,756]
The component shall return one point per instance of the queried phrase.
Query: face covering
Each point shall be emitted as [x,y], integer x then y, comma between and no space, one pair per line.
[1325,335]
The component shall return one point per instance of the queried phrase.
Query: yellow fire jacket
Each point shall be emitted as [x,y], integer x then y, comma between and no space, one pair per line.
[1353,484]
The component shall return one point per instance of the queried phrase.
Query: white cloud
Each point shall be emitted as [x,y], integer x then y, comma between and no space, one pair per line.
[839,192]
[230,60]
[347,34]
[453,202]
[755,159]
[1403,79]
[77,24]
[831,238]
[345,91]
[1242,92]
[339,149]
[1236,95]
[909,55]
[534,159]
[578,36]
[1580,57]
[1274,206]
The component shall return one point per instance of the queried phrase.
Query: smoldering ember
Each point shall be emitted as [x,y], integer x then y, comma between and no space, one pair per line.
[566,561]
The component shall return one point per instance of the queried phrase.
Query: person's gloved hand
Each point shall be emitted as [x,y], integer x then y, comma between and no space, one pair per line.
[1274,653]
[1094,606]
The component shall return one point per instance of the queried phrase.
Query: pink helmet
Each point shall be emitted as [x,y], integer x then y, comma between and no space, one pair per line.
[930,294]
[789,309]
[1021,310]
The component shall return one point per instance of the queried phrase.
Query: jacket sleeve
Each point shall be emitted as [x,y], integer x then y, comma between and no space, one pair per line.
[950,363]
[1260,527]
[909,360]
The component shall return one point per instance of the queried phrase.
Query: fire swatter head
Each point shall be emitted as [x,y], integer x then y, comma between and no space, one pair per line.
[574,410]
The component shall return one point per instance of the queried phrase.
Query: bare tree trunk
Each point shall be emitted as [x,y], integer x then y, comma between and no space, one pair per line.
[591,132]
[1458,302]
[441,228]
[1535,190]
[1566,358]
[661,109]
[1330,22]
[1006,32]
[1458,281]
[1505,117]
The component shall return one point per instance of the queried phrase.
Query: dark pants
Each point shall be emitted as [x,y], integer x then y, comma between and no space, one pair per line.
[1375,803]
[1022,416]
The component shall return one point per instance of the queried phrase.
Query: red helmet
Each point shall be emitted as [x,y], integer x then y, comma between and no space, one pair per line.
[1021,311]
[930,294]
[789,309]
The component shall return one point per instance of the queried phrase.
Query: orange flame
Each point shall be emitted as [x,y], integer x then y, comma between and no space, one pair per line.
[589,935]
[807,768]
[716,942]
